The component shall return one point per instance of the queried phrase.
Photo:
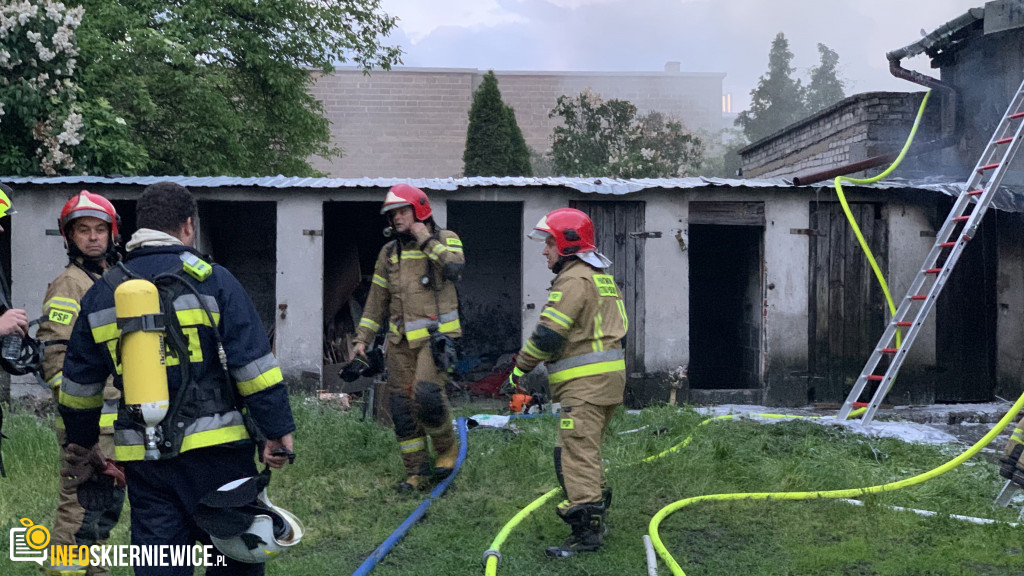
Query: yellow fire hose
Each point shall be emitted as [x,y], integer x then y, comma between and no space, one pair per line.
[492,555]
[848,493]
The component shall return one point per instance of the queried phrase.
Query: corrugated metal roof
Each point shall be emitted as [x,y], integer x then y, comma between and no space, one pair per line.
[1008,199]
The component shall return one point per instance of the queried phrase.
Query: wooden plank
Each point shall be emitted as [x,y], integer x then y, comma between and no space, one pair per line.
[836,295]
[727,213]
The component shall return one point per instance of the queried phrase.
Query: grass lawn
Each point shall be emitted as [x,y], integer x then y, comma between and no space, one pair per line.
[342,487]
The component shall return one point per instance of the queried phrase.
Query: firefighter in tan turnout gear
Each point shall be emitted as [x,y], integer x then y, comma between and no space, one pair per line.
[579,338]
[413,291]
[88,224]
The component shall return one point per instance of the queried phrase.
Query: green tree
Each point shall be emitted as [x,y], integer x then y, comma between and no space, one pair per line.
[205,87]
[778,100]
[825,87]
[609,138]
[494,143]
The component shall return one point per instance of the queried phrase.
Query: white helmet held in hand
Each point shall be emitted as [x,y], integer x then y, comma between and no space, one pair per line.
[244,524]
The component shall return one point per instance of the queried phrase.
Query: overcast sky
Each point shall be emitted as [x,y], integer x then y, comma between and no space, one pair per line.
[727,36]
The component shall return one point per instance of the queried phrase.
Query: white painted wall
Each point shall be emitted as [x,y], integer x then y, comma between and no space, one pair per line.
[907,252]
[300,281]
[666,284]
[536,276]
[786,261]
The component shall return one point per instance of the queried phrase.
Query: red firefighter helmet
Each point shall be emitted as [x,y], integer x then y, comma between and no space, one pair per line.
[573,231]
[406,195]
[86,203]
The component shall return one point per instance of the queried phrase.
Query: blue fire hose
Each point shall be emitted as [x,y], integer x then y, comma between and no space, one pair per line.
[418,513]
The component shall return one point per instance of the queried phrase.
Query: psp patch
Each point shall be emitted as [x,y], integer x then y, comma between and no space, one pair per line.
[566,424]
[60,317]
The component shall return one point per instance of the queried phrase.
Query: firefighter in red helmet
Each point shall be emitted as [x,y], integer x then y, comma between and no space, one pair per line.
[413,297]
[89,225]
[579,338]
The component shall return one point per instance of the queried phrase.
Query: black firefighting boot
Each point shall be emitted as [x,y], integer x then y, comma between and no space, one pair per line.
[587,524]
[1011,465]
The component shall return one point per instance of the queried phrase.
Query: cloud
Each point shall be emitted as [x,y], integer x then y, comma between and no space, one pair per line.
[733,37]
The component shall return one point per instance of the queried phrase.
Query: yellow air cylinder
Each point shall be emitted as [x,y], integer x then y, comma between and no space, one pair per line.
[142,358]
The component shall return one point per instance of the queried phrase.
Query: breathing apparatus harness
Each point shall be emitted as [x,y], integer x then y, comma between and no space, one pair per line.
[171,283]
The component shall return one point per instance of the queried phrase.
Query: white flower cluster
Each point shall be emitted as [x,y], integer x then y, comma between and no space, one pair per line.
[43,31]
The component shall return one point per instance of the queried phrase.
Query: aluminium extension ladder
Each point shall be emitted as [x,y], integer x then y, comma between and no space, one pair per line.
[960,226]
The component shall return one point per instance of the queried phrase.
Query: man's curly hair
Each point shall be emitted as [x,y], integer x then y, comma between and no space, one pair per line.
[164,206]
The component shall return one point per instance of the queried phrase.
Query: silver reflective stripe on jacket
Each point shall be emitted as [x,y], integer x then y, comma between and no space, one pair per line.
[584,359]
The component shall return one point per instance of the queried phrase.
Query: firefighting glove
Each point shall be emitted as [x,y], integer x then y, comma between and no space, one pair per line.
[81,464]
[511,386]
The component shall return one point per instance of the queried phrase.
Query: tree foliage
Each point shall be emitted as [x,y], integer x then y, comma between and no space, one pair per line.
[202,87]
[494,143]
[780,100]
[609,138]
[39,115]
[825,87]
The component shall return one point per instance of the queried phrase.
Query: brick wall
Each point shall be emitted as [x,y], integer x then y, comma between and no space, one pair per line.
[855,129]
[412,121]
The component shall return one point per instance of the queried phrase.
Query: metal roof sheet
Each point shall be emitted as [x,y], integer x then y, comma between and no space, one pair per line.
[1007,200]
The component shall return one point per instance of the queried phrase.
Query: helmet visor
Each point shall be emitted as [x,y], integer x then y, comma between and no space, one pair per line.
[539,235]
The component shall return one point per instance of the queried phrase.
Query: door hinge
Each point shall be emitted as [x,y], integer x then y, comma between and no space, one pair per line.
[645,234]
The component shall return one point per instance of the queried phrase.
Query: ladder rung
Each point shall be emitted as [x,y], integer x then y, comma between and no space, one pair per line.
[988,167]
[904,324]
[1006,140]
[961,218]
[947,244]
[933,271]
[890,350]
[919,297]
[977,192]
[1016,115]
[875,377]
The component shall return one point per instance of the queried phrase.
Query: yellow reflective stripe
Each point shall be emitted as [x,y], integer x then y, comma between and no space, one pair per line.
[129,453]
[214,437]
[557,317]
[393,328]
[380,281]
[587,370]
[414,445]
[262,382]
[62,304]
[532,350]
[197,317]
[436,251]
[106,332]
[423,332]
[454,250]
[56,381]
[453,241]
[413,254]
[598,346]
[367,323]
[81,402]
[1018,435]
[622,311]
[107,420]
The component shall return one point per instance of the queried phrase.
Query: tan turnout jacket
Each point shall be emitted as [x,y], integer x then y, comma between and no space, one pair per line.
[398,290]
[585,308]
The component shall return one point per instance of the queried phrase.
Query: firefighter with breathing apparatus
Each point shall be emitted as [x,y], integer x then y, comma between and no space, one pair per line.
[200,388]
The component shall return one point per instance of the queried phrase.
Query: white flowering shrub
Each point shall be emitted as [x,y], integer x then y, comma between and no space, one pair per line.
[39,122]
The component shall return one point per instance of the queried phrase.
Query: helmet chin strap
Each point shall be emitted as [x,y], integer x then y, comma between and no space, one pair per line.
[560,263]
